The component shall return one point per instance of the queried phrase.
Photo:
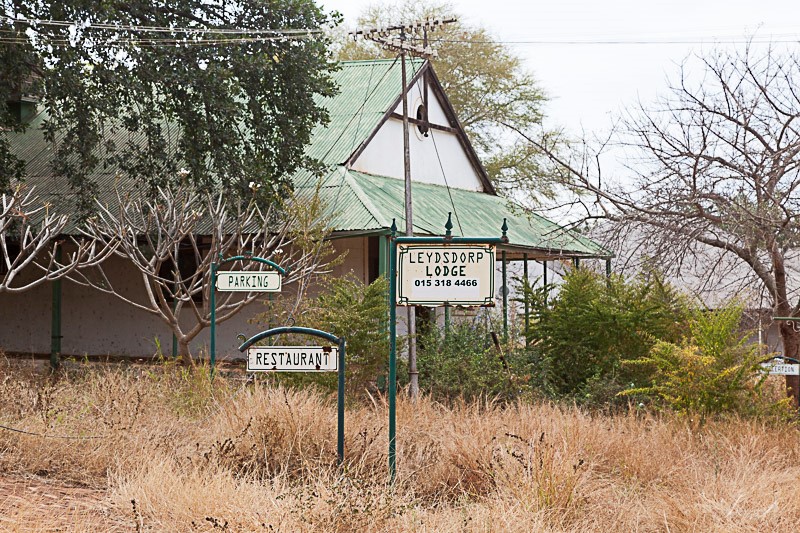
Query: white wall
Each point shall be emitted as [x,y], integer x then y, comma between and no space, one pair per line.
[383,156]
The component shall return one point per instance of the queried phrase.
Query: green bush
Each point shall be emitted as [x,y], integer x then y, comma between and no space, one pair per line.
[347,308]
[464,363]
[715,370]
[584,330]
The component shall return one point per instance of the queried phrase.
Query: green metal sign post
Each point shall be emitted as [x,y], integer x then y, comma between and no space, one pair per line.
[340,341]
[213,301]
[55,329]
[448,239]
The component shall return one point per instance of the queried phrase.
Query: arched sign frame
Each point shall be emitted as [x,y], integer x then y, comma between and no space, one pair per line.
[213,301]
[342,344]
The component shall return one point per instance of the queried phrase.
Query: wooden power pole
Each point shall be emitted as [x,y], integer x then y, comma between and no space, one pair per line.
[396,38]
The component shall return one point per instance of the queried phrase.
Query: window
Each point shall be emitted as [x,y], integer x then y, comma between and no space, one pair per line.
[187,267]
[13,251]
[422,117]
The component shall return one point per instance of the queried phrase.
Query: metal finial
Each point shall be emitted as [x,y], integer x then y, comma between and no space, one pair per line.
[449,225]
[504,227]
[394,227]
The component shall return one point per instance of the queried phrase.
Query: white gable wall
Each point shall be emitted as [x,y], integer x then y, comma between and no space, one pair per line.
[383,155]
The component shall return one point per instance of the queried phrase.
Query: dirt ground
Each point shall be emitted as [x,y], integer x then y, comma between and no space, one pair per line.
[32,503]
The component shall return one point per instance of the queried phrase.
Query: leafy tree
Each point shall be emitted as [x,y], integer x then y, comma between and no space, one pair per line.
[488,86]
[16,63]
[227,108]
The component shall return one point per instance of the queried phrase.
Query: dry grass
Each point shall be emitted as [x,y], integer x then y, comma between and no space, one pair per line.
[174,453]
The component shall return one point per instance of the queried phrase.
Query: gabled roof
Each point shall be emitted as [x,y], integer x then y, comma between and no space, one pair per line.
[367,89]
[369,92]
[360,202]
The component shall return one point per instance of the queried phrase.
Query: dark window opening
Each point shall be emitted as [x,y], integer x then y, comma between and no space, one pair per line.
[21,111]
[422,116]
[13,251]
[187,267]
[373,258]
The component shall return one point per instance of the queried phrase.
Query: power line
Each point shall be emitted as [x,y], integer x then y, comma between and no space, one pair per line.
[579,42]
[439,158]
[157,42]
[167,29]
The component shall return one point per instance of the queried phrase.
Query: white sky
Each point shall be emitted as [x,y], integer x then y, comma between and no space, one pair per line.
[590,83]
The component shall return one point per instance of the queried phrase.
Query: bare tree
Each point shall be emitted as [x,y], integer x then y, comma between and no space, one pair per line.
[172,238]
[32,244]
[715,176]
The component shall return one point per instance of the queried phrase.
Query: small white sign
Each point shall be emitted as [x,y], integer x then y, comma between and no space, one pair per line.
[249,281]
[439,274]
[782,369]
[293,358]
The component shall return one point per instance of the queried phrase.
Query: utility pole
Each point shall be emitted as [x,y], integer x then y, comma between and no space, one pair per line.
[395,38]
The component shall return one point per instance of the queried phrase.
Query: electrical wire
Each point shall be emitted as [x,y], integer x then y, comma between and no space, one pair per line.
[438,157]
[158,42]
[193,35]
[359,112]
[156,29]
[581,42]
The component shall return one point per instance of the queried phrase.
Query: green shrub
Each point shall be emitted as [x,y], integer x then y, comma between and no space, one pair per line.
[591,325]
[464,363]
[715,370]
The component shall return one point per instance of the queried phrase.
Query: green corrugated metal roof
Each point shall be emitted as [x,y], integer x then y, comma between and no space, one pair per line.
[366,91]
[362,202]
[355,201]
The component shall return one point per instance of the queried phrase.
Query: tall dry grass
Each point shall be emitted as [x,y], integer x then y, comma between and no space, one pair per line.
[173,452]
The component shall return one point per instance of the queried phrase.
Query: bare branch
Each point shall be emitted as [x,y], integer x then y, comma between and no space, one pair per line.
[33,248]
[172,239]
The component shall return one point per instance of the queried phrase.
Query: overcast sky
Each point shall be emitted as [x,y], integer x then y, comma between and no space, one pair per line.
[589,83]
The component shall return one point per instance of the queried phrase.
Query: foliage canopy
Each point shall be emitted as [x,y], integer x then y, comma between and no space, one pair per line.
[180,100]
[585,332]
[714,370]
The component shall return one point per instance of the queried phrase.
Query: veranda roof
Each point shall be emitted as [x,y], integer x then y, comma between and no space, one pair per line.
[359,203]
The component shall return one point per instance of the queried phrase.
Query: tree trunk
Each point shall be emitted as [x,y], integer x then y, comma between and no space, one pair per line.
[183,351]
[791,348]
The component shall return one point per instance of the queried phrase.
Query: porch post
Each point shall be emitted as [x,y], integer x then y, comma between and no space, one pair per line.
[55,328]
[505,297]
[527,305]
[383,256]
